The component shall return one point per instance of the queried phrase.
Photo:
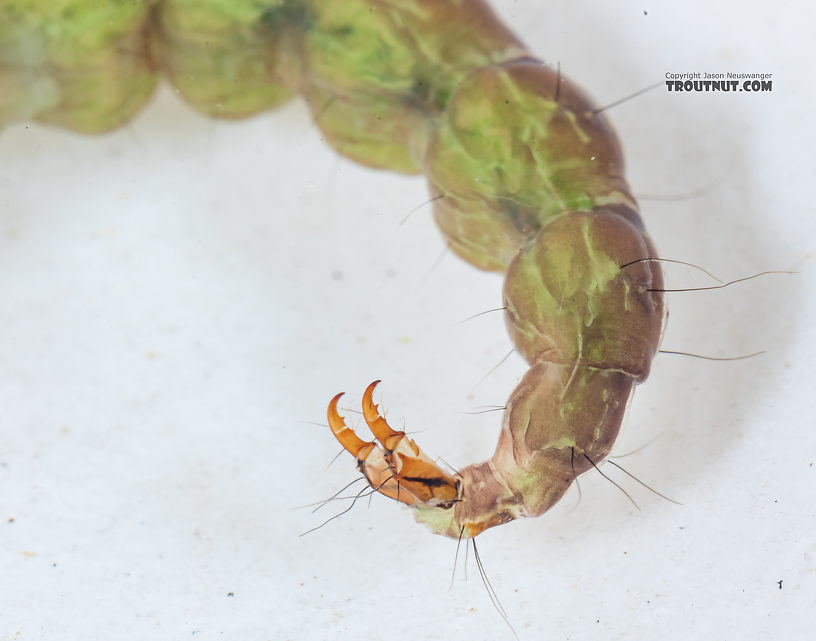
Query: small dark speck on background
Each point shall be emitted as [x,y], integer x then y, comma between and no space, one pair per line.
[230,593]
[780,583]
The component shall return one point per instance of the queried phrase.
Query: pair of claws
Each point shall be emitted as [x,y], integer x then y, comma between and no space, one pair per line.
[393,464]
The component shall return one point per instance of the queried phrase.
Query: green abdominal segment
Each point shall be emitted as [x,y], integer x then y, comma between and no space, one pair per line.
[528,178]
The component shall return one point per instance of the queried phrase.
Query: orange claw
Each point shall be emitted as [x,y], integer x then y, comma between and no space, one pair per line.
[370,458]
[348,439]
[388,437]
[399,469]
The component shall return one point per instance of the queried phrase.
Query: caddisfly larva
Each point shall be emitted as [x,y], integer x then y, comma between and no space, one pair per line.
[526,177]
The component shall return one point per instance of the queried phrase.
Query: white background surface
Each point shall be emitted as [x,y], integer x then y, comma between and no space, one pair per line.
[179,299]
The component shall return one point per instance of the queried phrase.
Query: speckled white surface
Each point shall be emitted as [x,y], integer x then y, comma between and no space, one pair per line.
[179,299]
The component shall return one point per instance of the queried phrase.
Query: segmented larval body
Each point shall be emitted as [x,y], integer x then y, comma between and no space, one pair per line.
[527,175]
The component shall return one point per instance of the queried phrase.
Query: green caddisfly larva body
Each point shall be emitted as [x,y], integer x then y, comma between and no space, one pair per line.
[527,178]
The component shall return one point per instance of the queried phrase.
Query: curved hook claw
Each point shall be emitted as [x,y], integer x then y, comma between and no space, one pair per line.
[399,470]
[347,438]
[387,436]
